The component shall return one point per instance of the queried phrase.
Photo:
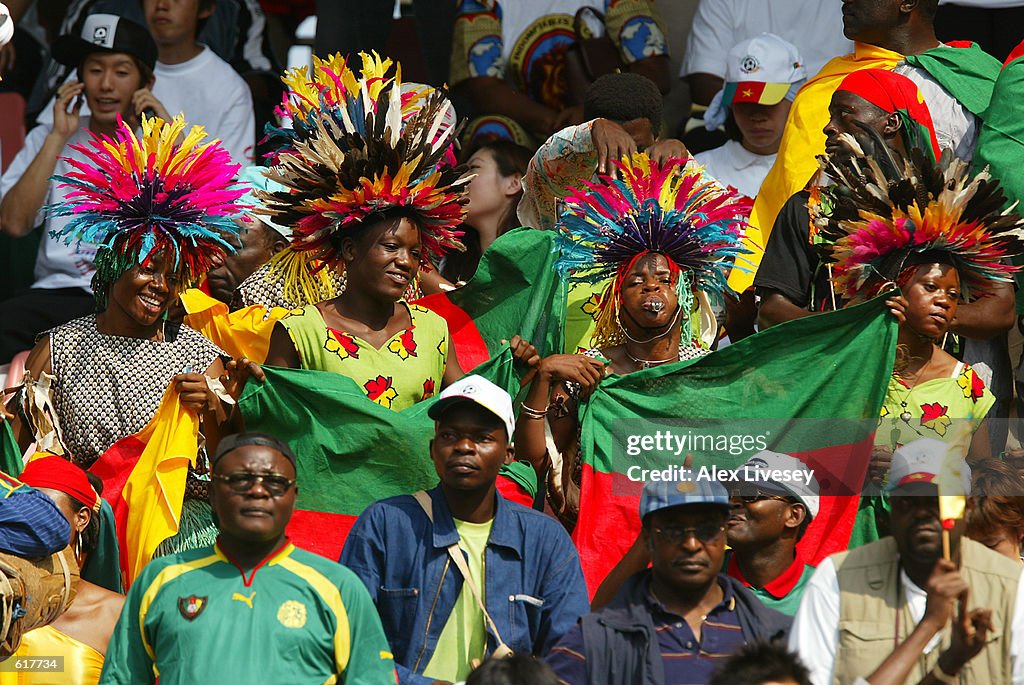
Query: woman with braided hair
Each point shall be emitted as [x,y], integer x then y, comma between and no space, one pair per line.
[666,236]
[158,207]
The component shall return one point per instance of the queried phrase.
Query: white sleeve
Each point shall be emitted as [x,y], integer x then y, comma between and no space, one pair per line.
[1017,636]
[815,632]
[12,174]
[711,37]
[237,128]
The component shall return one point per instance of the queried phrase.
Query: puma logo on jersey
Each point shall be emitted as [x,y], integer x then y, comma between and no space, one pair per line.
[243,598]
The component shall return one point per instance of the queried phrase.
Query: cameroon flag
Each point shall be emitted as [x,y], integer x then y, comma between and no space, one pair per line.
[515,291]
[351,451]
[812,387]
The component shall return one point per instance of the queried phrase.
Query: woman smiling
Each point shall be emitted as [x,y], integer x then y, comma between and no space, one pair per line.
[385,207]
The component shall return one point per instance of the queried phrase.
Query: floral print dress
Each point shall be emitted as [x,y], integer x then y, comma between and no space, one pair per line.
[406,369]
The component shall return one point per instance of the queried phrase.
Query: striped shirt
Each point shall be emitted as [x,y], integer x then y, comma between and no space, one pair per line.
[686,660]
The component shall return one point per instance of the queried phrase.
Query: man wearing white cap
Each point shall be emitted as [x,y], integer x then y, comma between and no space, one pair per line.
[770,512]
[459,573]
[900,592]
[762,77]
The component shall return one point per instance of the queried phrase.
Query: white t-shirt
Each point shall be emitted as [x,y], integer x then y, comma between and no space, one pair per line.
[815,27]
[211,94]
[815,632]
[736,166]
[57,265]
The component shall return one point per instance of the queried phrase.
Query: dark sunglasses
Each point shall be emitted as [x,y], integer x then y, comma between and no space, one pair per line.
[275,485]
[705,533]
[762,497]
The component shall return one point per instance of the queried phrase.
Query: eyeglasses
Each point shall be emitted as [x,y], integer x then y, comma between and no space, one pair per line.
[275,484]
[762,497]
[705,533]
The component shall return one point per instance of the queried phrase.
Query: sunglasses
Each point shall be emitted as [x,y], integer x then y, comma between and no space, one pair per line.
[275,484]
[762,497]
[705,533]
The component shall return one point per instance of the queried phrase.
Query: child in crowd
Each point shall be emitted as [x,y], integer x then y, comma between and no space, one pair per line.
[762,77]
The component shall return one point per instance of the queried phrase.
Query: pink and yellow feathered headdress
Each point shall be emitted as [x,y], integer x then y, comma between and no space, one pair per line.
[360,146]
[167,192]
[877,223]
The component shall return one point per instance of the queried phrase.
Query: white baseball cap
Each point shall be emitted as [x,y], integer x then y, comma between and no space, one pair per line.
[6,25]
[480,390]
[802,485]
[923,461]
[761,70]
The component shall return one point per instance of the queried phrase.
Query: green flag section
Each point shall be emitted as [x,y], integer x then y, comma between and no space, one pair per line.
[812,388]
[515,291]
[1001,139]
[10,454]
[351,451]
[964,70]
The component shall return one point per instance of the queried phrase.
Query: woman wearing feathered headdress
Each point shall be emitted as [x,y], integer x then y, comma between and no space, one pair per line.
[368,192]
[664,237]
[942,238]
[158,210]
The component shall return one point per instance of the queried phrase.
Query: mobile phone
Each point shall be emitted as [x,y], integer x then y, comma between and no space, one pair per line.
[79,100]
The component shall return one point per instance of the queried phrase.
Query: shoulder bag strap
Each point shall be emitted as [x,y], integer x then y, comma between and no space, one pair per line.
[455,552]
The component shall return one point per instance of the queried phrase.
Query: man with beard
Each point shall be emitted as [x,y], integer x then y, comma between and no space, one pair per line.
[680,620]
[768,516]
[860,604]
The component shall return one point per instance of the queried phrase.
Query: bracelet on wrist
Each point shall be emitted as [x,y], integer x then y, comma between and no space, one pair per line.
[532,413]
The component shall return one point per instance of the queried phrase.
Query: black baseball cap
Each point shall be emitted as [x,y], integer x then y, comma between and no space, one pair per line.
[107,33]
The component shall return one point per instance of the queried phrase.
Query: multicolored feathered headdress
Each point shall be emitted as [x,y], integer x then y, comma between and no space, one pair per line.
[674,210]
[877,223]
[161,193]
[356,153]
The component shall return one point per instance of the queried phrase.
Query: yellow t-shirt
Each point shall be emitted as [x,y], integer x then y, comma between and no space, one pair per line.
[82,663]
[464,637]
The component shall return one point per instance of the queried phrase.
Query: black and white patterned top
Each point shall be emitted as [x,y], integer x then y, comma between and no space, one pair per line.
[257,290]
[107,387]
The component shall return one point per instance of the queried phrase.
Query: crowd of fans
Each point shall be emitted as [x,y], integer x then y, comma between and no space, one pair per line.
[199,223]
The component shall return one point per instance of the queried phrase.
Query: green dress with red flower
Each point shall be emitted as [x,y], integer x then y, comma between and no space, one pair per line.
[949,409]
[406,369]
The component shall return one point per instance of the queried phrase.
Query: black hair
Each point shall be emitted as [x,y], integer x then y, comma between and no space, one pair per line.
[510,158]
[90,535]
[622,98]
[517,669]
[356,233]
[759,663]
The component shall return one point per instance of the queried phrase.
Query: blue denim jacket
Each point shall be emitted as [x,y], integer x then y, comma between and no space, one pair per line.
[534,588]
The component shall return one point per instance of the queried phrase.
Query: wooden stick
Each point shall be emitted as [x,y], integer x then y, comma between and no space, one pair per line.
[945,543]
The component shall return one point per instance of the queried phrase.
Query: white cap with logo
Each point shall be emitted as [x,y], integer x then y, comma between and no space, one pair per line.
[786,474]
[761,70]
[480,390]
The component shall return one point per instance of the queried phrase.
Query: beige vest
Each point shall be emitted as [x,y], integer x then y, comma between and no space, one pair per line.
[868,584]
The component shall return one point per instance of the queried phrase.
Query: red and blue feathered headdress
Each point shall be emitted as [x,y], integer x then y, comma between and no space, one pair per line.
[672,209]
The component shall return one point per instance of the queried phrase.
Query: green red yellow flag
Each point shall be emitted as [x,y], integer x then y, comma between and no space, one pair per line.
[812,387]
[144,481]
[351,451]
[515,291]
[242,333]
